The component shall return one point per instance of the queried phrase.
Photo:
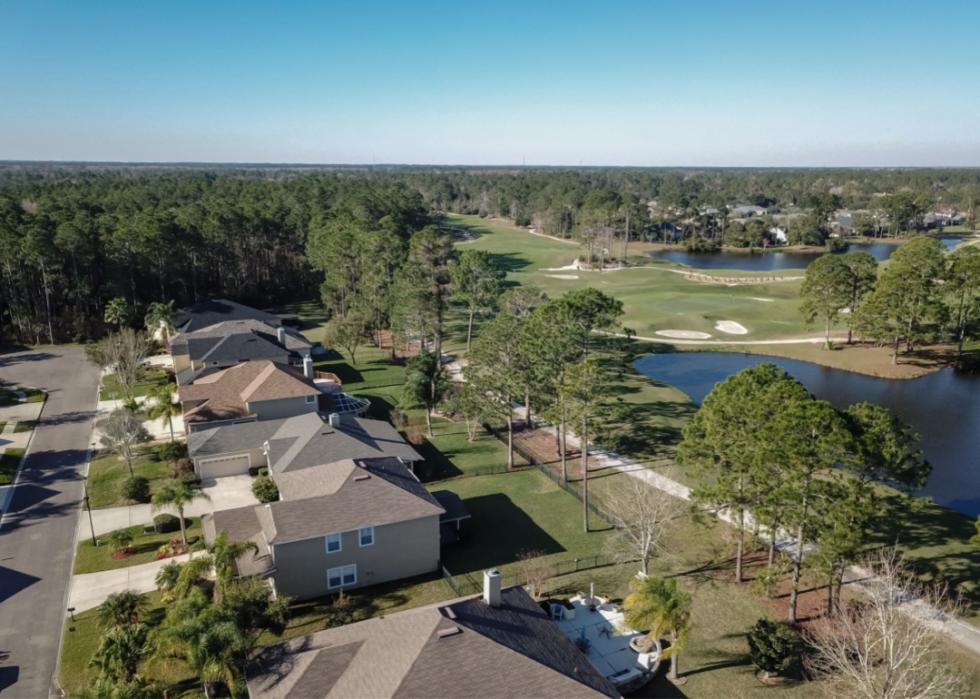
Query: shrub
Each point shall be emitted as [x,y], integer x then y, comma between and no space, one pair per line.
[164,524]
[264,489]
[775,648]
[171,451]
[120,540]
[699,244]
[136,489]
[181,466]
[255,471]
[190,478]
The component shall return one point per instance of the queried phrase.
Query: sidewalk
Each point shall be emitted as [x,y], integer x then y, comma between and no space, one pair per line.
[90,590]
[225,493]
[11,415]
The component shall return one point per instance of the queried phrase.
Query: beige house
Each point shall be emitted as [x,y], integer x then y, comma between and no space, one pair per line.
[254,390]
[338,526]
[498,646]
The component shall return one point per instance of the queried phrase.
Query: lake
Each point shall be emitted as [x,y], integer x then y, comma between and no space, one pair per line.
[943,407]
[768,261]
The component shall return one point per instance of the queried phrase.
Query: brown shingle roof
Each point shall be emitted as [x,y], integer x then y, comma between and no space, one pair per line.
[223,395]
[513,650]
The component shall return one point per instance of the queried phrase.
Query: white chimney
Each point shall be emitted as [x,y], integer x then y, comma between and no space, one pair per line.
[334,419]
[308,366]
[281,335]
[491,587]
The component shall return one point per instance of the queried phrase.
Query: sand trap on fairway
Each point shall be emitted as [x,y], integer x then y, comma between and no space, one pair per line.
[683,334]
[730,327]
[562,276]
[759,298]
[572,265]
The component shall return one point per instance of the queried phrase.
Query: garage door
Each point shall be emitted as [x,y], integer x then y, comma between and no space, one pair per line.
[223,466]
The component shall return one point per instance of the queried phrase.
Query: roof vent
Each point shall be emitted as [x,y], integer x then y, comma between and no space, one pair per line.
[334,419]
[362,477]
[491,587]
[281,335]
[448,631]
[450,612]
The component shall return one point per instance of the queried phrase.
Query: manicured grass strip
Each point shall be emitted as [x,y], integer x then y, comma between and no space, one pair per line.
[33,395]
[2,425]
[7,397]
[25,426]
[91,559]
[150,378]
[107,473]
[9,461]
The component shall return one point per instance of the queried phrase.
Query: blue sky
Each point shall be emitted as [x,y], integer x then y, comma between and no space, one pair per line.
[559,83]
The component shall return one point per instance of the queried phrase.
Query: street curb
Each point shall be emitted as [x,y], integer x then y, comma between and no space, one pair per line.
[8,492]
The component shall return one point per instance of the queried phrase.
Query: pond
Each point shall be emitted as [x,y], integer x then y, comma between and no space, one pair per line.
[943,407]
[768,261]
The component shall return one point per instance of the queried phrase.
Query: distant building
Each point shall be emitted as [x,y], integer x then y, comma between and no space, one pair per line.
[747,210]
[778,235]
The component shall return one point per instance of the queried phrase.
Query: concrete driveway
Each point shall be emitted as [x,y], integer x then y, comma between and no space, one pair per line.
[225,493]
[89,590]
[37,532]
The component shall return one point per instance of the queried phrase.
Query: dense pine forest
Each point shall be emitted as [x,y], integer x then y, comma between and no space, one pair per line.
[74,237]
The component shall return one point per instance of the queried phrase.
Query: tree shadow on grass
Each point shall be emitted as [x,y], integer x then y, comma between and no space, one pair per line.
[497,533]
[437,466]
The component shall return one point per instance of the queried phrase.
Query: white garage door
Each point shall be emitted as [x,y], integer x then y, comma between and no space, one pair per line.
[223,466]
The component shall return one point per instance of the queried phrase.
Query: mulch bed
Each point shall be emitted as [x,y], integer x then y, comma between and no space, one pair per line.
[123,554]
[543,447]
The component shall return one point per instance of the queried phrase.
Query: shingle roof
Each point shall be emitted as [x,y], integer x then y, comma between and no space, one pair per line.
[223,395]
[346,495]
[238,340]
[206,313]
[513,650]
[242,524]
[310,441]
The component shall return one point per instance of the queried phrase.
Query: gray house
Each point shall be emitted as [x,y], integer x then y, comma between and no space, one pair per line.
[498,646]
[230,342]
[207,313]
[337,526]
[294,443]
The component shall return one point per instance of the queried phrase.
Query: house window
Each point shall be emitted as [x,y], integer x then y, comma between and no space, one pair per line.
[341,576]
[311,399]
[366,536]
[333,543]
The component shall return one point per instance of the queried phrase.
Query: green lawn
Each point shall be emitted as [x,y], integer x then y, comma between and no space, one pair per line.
[654,298]
[91,559]
[25,426]
[8,397]
[3,425]
[9,461]
[107,472]
[150,378]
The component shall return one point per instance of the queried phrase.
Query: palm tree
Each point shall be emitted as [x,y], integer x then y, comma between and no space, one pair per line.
[163,405]
[119,653]
[167,579]
[178,495]
[121,609]
[223,554]
[658,604]
[160,316]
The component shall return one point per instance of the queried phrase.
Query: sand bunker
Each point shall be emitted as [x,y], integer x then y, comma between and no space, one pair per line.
[562,276]
[759,298]
[731,327]
[572,265]
[683,334]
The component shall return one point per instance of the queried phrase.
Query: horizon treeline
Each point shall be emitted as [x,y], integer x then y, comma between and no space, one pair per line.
[74,237]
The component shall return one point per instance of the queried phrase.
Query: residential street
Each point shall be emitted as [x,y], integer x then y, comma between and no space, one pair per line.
[37,533]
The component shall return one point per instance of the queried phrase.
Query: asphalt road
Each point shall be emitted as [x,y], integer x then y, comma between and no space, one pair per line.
[37,533]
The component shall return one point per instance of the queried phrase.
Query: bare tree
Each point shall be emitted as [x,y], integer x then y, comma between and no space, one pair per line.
[122,431]
[535,571]
[644,517]
[888,646]
[122,353]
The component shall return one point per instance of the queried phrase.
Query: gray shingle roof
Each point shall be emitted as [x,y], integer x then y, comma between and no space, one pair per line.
[309,440]
[206,313]
[242,524]
[509,651]
[348,496]
[239,340]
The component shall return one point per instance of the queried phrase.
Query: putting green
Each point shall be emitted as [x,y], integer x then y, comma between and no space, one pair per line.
[654,297]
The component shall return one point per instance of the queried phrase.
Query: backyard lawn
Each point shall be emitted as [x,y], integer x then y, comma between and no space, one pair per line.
[9,461]
[107,473]
[91,559]
[8,397]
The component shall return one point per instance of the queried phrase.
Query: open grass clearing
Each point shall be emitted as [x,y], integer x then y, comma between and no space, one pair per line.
[92,559]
